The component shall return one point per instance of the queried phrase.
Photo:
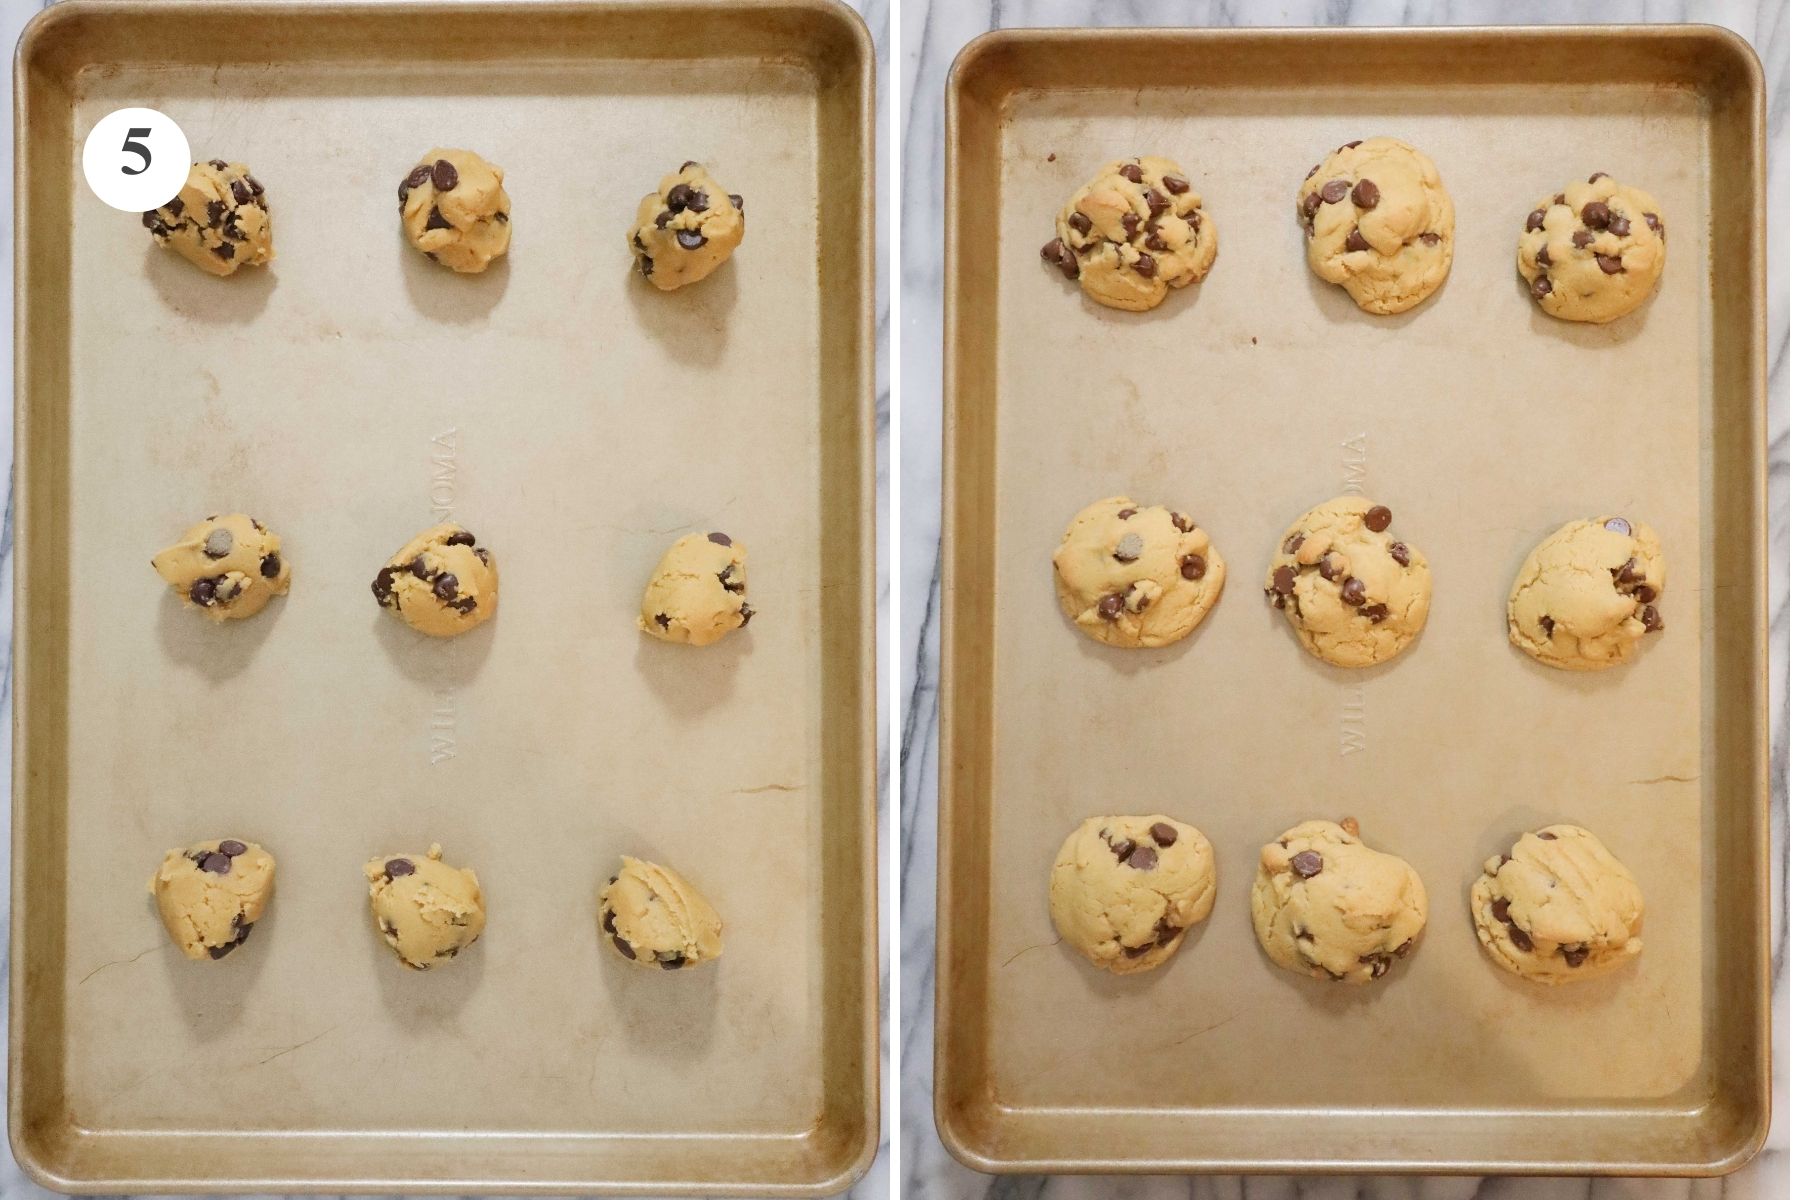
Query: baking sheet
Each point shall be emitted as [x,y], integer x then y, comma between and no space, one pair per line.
[1484,424]
[350,395]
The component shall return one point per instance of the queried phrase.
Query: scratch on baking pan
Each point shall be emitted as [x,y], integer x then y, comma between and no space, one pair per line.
[118,962]
[767,787]
[1027,950]
[300,1046]
[1207,1029]
[1666,779]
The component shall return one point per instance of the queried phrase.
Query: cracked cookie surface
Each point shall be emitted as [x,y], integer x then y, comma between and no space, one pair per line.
[1594,251]
[219,221]
[686,228]
[1326,905]
[1132,233]
[656,918]
[228,567]
[1379,223]
[1354,593]
[441,583]
[1558,907]
[1586,595]
[210,894]
[698,592]
[1136,576]
[427,911]
[1125,890]
[455,210]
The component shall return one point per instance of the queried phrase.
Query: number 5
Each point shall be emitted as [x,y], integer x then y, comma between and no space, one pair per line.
[134,146]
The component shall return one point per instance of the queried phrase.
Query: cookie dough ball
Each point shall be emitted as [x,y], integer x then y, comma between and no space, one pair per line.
[427,911]
[441,582]
[1587,594]
[1559,907]
[227,567]
[454,209]
[1135,231]
[1125,890]
[1136,576]
[686,228]
[1379,224]
[1328,906]
[697,593]
[1354,593]
[219,221]
[212,894]
[656,918]
[1594,251]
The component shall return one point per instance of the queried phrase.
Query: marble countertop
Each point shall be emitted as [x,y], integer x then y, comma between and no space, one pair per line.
[930,36]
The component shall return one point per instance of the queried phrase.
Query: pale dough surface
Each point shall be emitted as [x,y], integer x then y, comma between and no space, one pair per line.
[219,221]
[1586,595]
[686,228]
[1379,223]
[212,893]
[1136,575]
[228,567]
[1133,232]
[1594,251]
[656,918]
[1326,905]
[1354,593]
[441,583]
[1125,890]
[455,209]
[425,910]
[697,593]
[1558,907]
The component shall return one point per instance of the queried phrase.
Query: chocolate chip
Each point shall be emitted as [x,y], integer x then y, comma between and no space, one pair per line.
[1079,222]
[1331,567]
[1583,239]
[1356,241]
[1111,606]
[1165,932]
[1059,256]
[1334,191]
[646,266]
[1376,613]
[383,587]
[607,923]
[689,163]
[461,537]
[1139,951]
[1180,521]
[1619,226]
[218,543]
[1306,864]
[1153,241]
[671,964]
[624,947]
[1655,223]
[1429,238]
[153,222]
[444,587]
[225,250]
[724,578]
[1597,176]
[1129,548]
[1379,964]
[1163,834]
[394,868]
[1543,255]
[1126,514]
[1310,206]
[464,605]
[1520,938]
[218,952]
[662,222]
[1176,184]
[662,619]
[1651,618]
[678,198]
[1379,517]
[1611,264]
[1548,624]
[698,202]
[1595,214]
[1575,955]
[1644,594]
[1535,221]
[1192,566]
[202,591]
[1156,202]
[1558,199]
[1400,553]
[1618,525]
[231,847]
[1627,572]
[1505,858]
[481,553]
[1132,172]
[443,175]
[436,220]
[419,569]
[1293,543]
[1284,580]
[1546,836]
[719,539]
[1502,909]
[1365,194]
[1540,287]
[217,164]
[1142,859]
[1145,266]
[1351,145]
[745,612]
[737,202]
[1354,592]
[1131,221]
[271,566]
[218,864]
[690,239]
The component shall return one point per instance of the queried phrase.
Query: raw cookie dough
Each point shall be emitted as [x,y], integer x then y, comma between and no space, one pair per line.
[227,567]
[1379,223]
[454,209]
[686,228]
[656,918]
[1135,231]
[219,221]
[1594,251]
[1355,594]
[1559,907]
[426,910]
[441,582]
[1586,595]
[1328,906]
[1136,576]
[697,593]
[1125,890]
[211,894]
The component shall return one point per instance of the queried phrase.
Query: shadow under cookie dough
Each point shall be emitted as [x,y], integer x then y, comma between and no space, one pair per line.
[194,295]
[444,295]
[423,998]
[442,662]
[692,322]
[216,651]
[692,679]
[211,993]
[671,1013]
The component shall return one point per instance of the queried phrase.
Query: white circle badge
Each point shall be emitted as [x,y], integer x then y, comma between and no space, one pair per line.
[136,159]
